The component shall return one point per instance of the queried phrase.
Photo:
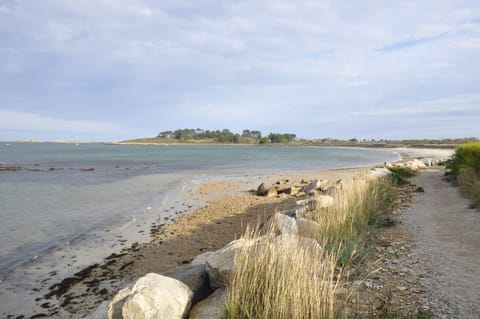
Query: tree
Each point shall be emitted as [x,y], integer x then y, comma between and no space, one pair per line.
[165,134]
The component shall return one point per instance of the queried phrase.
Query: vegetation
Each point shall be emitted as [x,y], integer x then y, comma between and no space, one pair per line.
[357,211]
[400,174]
[464,169]
[290,277]
[298,277]
[225,136]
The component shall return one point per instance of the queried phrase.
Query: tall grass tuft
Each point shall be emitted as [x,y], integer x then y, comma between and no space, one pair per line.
[294,277]
[284,277]
[347,225]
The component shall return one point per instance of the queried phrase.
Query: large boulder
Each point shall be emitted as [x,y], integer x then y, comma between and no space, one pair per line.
[220,263]
[195,277]
[285,224]
[153,296]
[211,308]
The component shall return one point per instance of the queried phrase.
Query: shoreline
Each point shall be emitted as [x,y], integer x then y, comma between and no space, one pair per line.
[227,208]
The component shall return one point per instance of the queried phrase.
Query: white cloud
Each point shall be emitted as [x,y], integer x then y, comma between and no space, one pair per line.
[270,57]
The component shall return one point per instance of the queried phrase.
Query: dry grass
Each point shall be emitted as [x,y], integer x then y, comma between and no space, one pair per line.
[284,277]
[346,225]
[297,277]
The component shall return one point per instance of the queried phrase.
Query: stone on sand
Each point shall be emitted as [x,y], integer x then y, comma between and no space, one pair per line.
[153,296]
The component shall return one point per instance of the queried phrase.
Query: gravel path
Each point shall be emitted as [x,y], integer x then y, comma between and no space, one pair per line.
[448,246]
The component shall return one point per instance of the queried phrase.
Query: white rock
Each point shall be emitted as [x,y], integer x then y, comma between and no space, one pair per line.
[323,201]
[153,296]
[285,224]
[378,172]
[320,201]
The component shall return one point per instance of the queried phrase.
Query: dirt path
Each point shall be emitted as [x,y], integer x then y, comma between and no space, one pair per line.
[448,246]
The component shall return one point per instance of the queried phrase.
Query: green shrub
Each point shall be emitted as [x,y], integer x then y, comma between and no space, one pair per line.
[465,156]
[464,169]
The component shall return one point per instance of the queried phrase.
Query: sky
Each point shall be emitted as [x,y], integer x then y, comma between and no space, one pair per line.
[109,70]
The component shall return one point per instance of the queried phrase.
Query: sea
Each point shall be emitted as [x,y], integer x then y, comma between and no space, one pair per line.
[63,206]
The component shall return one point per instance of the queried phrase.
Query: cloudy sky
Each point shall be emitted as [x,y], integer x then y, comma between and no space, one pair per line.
[113,69]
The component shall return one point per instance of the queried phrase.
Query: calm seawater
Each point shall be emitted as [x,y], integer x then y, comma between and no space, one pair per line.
[65,191]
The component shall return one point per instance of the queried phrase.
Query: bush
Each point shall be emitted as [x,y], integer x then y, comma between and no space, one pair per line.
[465,156]
[464,169]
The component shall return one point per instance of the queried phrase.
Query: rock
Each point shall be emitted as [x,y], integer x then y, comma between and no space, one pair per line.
[293,190]
[151,296]
[322,201]
[220,263]
[195,277]
[271,192]
[300,194]
[212,307]
[101,312]
[378,172]
[294,213]
[285,224]
[307,227]
[313,185]
[288,243]
[262,189]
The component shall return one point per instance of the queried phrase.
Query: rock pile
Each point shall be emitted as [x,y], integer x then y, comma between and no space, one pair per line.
[297,189]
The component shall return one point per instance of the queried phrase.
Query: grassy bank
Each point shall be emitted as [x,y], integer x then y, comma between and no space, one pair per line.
[464,170]
[298,276]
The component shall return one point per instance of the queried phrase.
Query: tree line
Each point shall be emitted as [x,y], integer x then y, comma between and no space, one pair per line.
[226,136]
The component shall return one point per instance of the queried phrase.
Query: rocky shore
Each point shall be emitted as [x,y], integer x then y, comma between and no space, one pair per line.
[184,248]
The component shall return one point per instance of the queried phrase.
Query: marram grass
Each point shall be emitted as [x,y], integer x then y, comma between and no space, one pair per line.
[283,277]
[298,276]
